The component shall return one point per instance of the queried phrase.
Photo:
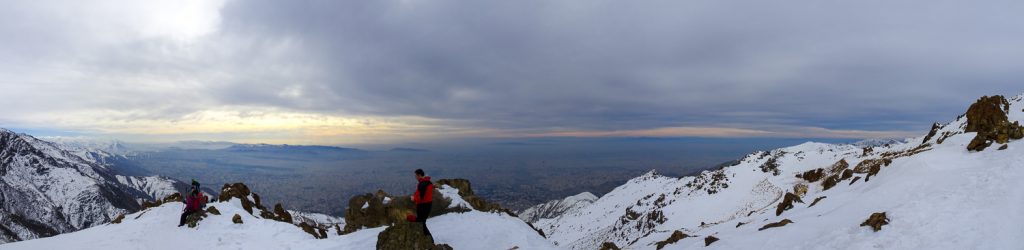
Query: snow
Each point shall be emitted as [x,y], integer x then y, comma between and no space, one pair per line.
[942,198]
[155,228]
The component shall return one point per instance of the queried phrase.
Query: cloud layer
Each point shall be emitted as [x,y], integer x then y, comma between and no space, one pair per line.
[442,69]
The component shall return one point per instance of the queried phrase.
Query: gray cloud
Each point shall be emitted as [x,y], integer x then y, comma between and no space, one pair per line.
[543,65]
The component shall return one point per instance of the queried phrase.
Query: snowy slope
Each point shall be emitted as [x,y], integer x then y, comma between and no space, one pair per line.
[555,208]
[937,196]
[46,190]
[155,228]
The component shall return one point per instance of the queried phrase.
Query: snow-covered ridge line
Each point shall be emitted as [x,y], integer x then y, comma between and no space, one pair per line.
[847,183]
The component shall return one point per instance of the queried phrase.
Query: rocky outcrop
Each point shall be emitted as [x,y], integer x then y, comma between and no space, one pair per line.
[675,237]
[466,191]
[988,118]
[406,236]
[609,246]
[118,219]
[800,189]
[876,221]
[775,224]
[318,233]
[710,239]
[382,209]
[787,203]
[241,192]
[812,175]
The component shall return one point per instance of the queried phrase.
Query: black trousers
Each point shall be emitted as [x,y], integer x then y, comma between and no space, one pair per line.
[422,212]
[185,215]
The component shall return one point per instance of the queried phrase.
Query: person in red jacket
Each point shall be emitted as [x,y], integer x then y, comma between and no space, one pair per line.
[194,202]
[423,198]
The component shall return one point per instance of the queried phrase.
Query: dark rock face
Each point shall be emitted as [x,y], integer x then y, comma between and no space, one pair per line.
[775,224]
[876,221]
[404,236]
[237,219]
[838,167]
[710,239]
[988,118]
[675,237]
[609,246]
[787,203]
[379,213]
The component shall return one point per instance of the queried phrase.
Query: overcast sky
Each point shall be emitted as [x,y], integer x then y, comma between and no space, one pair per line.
[350,72]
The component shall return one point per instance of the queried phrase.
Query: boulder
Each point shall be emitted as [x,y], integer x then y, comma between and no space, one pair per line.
[775,224]
[281,214]
[838,167]
[404,236]
[988,118]
[237,219]
[787,203]
[609,246]
[800,189]
[830,182]
[193,219]
[313,231]
[213,210]
[876,221]
[1004,147]
[675,237]
[710,239]
[813,175]
[238,191]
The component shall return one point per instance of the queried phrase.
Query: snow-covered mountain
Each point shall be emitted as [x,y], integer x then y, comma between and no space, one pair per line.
[930,192]
[49,188]
[555,208]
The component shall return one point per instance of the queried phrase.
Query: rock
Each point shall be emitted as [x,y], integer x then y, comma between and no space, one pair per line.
[847,174]
[465,188]
[854,180]
[466,191]
[675,237]
[813,175]
[213,210]
[337,229]
[609,246]
[404,236]
[312,231]
[830,182]
[193,219]
[800,189]
[838,167]
[876,221]
[238,191]
[1004,147]
[281,214]
[237,219]
[935,129]
[740,224]
[710,239]
[787,203]
[988,118]
[118,219]
[775,224]
[323,232]
[866,165]
[816,200]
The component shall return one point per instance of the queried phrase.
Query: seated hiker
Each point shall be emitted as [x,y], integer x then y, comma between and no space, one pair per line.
[194,202]
[423,199]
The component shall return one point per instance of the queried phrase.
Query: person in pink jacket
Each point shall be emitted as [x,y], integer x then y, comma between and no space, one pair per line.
[194,202]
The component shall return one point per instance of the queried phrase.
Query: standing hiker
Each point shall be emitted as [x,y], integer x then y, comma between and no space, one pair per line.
[423,199]
[194,202]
